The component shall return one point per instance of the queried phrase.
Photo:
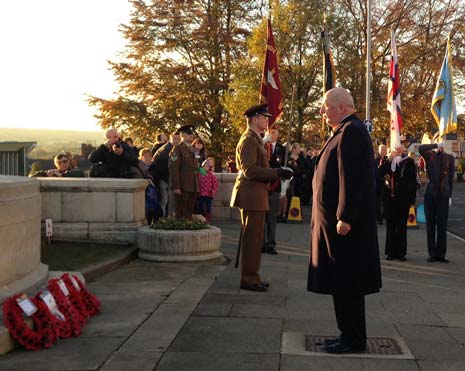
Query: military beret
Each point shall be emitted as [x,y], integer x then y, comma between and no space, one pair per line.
[188,129]
[260,109]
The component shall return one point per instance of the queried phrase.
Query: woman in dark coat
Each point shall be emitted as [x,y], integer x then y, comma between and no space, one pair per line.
[344,255]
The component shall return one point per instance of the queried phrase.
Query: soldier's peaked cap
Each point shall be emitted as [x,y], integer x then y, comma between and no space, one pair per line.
[188,129]
[259,109]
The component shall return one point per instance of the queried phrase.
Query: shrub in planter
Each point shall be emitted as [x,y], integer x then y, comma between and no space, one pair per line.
[171,224]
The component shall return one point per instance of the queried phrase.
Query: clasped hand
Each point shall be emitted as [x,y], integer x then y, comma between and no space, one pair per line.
[342,228]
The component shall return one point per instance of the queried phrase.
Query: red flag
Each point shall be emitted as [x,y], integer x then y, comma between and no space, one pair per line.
[393,97]
[270,90]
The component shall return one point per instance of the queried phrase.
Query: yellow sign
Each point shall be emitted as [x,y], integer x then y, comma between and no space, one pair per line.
[295,213]
[412,218]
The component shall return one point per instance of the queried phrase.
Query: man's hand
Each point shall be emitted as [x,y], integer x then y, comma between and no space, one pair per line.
[177,192]
[342,228]
[108,143]
[285,173]
[54,172]
[450,202]
[117,149]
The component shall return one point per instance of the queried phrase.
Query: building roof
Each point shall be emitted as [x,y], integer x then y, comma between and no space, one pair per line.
[16,146]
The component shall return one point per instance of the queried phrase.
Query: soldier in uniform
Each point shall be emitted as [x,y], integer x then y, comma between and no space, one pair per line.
[183,170]
[250,194]
[438,197]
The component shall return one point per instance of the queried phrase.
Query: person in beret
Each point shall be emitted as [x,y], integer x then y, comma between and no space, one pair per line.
[183,169]
[250,194]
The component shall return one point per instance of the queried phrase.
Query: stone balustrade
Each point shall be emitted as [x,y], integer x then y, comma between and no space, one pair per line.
[20,209]
[221,209]
[94,209]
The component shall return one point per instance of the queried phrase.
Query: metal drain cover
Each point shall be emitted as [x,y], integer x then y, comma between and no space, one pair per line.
[381,346]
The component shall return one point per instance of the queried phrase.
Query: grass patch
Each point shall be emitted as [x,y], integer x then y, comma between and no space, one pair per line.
[70,256]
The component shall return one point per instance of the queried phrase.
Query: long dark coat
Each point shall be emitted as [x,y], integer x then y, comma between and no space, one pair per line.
[344,189]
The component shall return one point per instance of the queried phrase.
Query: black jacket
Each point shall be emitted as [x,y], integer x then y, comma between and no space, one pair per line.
[116,166]
[160,164]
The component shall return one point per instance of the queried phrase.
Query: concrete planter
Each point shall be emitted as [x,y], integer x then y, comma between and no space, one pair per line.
[176,246]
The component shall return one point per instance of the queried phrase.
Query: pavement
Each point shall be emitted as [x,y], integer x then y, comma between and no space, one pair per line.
[192,316]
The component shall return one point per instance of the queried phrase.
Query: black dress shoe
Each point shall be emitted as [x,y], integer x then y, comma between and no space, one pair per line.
[443,260]
[265,284]
[340,347]
[255,287]
[329,342]
[272,251]
[431,260]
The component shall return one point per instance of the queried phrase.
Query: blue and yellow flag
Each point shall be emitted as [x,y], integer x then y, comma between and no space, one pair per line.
[443,104]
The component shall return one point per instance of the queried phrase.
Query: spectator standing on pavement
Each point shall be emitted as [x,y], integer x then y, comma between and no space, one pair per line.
[208,186]
[400,178]
[161,139]
[276,153]
[152,207]
[344,255]
[114,158]
[130,142]
[183,170]
[250,194]
[160,172]
[380,160]
[438,196]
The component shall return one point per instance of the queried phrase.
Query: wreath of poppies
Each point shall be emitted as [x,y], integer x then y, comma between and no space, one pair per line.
[75,297]
[72,315]
[92,303]
[43,336]
[62,328]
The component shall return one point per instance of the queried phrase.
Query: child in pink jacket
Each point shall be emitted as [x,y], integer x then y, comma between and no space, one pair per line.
[208,185]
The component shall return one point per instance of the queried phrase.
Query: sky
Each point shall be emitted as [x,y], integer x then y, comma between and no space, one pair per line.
[53,53]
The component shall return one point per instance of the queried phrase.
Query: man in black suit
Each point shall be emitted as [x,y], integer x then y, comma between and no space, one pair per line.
[344,254]
[438,196]
[276,153]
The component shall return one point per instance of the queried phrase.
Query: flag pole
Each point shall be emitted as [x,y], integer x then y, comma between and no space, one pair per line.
[368,77]
[291,119]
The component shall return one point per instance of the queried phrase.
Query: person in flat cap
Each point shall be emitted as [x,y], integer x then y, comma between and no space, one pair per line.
[250,194]
[440,168]
[183,169]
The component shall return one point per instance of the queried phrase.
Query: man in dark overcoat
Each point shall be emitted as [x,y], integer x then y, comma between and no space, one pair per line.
[183,173]
[344,255]
[399,173]
[438,197]
[250,194]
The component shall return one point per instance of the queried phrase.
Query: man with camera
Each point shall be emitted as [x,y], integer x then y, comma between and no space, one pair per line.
[114,158]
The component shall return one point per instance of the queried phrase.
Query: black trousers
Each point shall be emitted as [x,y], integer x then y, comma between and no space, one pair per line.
[350,317]
[436,213]
[379,205]
[270,220]
[396,213]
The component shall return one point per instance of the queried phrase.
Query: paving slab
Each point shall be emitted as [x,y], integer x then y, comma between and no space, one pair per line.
[237,335]
[139,361]
[211,361]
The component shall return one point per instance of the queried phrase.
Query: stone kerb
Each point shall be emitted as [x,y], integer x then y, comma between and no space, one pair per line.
[20,266]
[176,246]
[94,209]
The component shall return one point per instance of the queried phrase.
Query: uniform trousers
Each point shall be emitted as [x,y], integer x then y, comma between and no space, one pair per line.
[184,204]
[436,213]
[253,223]
[270,220]
[350,318]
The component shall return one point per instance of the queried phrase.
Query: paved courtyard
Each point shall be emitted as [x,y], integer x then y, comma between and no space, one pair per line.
[192,316]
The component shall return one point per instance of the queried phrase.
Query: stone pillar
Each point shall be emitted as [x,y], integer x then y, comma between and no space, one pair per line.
[20,210]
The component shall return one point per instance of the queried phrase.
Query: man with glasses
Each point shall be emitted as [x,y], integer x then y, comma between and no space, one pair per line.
[62,168]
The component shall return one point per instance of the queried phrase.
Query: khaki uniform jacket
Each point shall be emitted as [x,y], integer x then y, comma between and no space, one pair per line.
[250,191]
[183,168]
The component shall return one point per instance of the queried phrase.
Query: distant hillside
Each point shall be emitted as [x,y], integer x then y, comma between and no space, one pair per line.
[49,136]
[51,142]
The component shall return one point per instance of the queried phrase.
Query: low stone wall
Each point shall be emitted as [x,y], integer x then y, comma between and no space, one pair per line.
[221,209]
[94,209]
[20,266]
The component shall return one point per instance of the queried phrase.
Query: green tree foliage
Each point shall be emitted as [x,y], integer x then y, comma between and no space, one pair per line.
[176,68]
